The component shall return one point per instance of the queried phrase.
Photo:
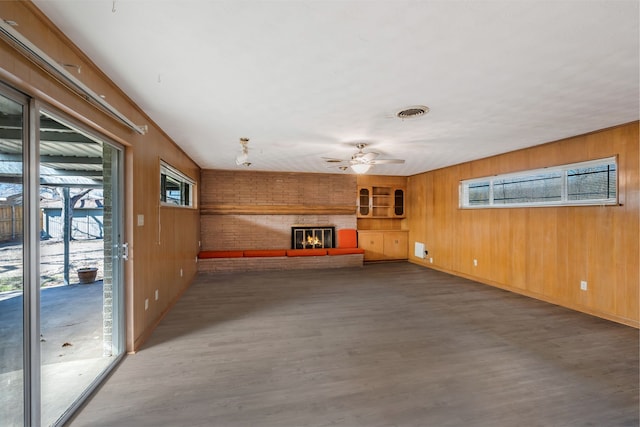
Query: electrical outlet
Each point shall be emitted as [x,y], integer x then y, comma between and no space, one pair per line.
[431,260]
[475,262]
[146,304]
[157,295]
[583,285]
[181,272]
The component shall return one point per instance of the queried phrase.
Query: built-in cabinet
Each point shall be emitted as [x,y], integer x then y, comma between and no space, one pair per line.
[384,245]
[381,217]
[381,202]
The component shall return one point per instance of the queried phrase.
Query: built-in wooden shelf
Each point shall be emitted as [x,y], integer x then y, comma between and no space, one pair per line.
[277,210]
[381,202]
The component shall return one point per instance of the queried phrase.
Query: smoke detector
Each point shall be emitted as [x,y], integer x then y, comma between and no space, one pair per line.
[412,112]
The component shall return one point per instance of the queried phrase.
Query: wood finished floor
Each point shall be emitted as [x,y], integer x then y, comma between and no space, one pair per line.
[385,345]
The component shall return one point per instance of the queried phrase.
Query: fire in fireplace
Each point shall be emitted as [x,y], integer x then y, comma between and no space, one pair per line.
[312,237]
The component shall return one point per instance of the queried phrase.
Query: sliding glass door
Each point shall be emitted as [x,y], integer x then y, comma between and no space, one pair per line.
[13,339]
[61,281]
[78,193]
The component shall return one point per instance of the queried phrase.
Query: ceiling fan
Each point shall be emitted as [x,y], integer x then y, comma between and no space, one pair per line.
[361,162]
[242,159]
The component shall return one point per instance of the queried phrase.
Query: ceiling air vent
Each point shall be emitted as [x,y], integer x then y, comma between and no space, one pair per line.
[411,112]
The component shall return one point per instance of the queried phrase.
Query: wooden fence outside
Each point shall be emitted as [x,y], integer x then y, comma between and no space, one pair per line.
[10,223]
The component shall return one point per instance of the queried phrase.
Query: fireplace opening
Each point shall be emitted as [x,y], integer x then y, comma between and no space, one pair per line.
[312,237]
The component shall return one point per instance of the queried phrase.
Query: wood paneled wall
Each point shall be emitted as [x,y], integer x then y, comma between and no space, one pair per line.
[168,239]
[540,252]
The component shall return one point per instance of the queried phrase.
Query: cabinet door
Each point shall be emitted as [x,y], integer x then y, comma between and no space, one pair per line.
[398,202]
[396,245]
[364,202]
[373,245]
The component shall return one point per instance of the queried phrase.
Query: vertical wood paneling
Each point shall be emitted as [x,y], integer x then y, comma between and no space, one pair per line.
[441,237]
[417,205]
[429,213]
[561,270]
[465,226]
[499,253]
[518,243]
[541,252]
[603,270]
[534,261]
[628,228]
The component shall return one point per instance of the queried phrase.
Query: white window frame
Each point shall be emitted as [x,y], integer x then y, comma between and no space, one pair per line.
[175,174]
[562,169]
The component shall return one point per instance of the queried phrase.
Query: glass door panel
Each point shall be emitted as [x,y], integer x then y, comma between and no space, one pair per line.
[398,202]
[78,194]
[12,303]
[363,201]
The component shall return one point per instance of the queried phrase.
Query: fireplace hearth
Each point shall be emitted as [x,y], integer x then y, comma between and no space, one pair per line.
[312,237]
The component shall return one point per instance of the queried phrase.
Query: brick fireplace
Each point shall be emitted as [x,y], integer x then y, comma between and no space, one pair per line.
[244,210]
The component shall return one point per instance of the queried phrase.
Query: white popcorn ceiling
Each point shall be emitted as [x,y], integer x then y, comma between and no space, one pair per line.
[310,79]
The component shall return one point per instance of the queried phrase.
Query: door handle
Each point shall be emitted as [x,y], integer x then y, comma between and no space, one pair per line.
[122,251]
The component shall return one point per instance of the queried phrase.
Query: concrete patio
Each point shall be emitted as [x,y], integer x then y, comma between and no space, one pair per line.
[71,324]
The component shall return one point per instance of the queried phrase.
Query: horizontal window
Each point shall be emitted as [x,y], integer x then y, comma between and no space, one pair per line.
[175,188]
[587,183]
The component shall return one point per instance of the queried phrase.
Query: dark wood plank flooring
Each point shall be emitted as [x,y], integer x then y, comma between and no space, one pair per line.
[384,345]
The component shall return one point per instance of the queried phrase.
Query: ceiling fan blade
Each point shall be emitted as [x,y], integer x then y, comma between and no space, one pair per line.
[338,166]
[333,160]
[386,161]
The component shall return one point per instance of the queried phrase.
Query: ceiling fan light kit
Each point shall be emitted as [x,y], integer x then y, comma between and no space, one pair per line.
[360,168]
[242,159]
[362,162]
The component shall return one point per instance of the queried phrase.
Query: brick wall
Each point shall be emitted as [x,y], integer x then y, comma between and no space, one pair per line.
[275,188]
[233,232]
[107,281]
